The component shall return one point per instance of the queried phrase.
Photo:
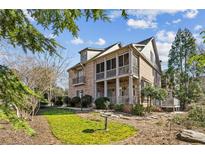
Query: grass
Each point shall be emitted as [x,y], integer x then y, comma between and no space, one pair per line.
[70,128]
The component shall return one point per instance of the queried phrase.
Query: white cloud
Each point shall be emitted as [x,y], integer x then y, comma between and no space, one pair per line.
[143,24]
[164,41]
[77,41]
[198,27]
[199,40]
[25,12]
[100,41]
[114,14]
[151,14]
[147,18]
[176,21]
[165,36]
[191,14]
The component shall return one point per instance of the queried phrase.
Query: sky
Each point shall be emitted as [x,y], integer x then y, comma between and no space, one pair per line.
[141,24]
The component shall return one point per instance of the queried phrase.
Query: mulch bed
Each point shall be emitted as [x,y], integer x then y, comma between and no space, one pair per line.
[39,124]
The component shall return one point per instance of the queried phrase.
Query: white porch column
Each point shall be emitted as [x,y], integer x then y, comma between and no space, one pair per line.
[105,67]
[130,62]
[105,88]
[139,92]
[130,89]
[95,91]
[117,64]
[117,90]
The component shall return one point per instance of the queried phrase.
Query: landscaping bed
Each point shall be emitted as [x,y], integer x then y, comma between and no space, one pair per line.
[70,128]
[39,123]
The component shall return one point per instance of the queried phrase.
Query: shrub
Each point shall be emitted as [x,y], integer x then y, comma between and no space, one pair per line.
[127,108]
[197,114]
[138,110]
[118,107]
[112,106]
[86,100]
[59,101]
[75,101]
[152,109]
[100,102]
[67,100]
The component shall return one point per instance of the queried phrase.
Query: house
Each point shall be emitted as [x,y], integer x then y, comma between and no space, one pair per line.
[118,72]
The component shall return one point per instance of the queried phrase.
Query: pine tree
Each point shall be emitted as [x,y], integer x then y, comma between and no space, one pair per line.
[183,47]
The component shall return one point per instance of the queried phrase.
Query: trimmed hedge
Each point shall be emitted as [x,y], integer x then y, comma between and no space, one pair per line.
[75,101]
[67,100]
[86,100]
[58,101]
[100,102]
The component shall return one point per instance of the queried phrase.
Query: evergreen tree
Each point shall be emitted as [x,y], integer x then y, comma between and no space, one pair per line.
[183,47]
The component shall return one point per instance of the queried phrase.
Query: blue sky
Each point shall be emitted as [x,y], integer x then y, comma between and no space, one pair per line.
[141,24]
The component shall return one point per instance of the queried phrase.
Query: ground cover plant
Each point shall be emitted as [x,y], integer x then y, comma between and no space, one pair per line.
[70,128]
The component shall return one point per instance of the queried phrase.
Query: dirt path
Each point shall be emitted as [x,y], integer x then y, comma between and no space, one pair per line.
[39,124]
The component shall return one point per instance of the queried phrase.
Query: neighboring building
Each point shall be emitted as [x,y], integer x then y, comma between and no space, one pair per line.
[118,72]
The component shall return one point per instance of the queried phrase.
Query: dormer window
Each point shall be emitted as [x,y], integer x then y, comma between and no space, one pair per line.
[83,56]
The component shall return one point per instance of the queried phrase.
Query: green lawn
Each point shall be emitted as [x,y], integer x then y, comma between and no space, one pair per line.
[69,128]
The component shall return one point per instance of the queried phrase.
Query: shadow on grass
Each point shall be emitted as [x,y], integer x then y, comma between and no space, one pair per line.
[91,130]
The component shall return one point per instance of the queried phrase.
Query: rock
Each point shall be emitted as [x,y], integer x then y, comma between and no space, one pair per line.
[114,116]
[124,117]
[191,136]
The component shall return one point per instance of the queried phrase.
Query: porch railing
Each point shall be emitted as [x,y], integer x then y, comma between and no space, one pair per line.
[112,99]
[123,99]
[111,73]
[78,80]
[99,75]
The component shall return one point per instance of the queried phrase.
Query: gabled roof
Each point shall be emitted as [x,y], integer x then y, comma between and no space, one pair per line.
[139,46]
[103,51]
[146,41]
[91,49]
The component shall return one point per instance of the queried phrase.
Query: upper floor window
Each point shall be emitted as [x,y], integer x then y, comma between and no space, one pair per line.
[111,64]
[100,67]
[124,59]
[83,56]
[79,73]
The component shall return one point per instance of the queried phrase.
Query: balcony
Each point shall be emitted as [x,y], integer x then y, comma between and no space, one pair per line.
[79,80]
[123,70]
[111,73]
[99,75]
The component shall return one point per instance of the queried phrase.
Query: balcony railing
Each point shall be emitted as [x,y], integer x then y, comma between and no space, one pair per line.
[123,69]
[99,75]
[135,70]
[111,73]
[79,80]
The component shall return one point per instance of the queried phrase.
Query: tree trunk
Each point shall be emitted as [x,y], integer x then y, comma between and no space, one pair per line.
[191,136]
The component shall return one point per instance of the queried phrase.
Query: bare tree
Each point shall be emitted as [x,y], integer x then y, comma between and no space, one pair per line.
[39,72]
